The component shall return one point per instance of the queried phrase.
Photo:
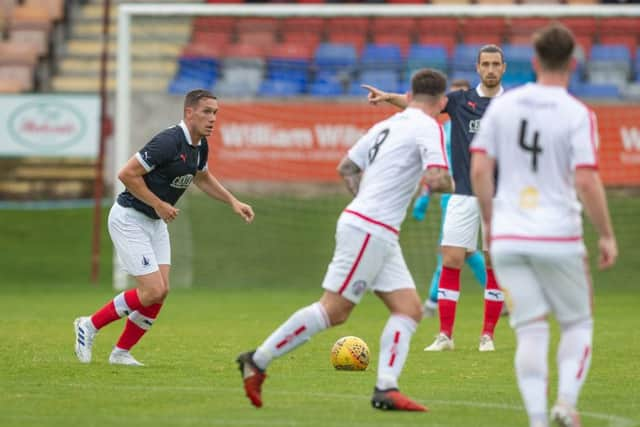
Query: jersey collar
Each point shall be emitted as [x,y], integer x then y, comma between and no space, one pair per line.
[185,130]
[482,95]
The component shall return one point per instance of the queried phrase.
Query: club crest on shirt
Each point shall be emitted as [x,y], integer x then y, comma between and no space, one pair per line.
[182,181]
[529,198]
[474,126]
[358,287]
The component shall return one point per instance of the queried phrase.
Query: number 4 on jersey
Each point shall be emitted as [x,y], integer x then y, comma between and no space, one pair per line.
[534,148]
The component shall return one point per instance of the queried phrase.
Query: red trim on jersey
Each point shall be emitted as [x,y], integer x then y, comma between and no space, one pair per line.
[438,166]
[394,349]
[536,238]
[442,147]
[586,166]
[583,362]
[592,133]
[373,221]
[355,265]
[477,150]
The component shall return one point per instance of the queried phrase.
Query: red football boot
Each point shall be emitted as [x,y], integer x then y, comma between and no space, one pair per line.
[393,400]
[253,378]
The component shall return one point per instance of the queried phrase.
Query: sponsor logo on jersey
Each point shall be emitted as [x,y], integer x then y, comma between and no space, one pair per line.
[145,261]
[183,157]
[182,181]
[474,126]
[472,104]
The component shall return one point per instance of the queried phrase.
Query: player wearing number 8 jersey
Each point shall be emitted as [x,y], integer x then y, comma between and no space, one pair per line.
[382,170]
[544,142]
[462,220]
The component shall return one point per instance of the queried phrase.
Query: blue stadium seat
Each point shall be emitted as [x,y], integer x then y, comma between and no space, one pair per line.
[465,57]
[381,56]
[288,69]
[335,55]
[280,88]
[595,91]
[519,67]
[610,52]
[427,56]
[386,80]
[470,76]
[193,73]
[322,88]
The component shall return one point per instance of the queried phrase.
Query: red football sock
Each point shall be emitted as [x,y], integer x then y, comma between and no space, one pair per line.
[137,325]
[448,293]
[123,304]
[493,300]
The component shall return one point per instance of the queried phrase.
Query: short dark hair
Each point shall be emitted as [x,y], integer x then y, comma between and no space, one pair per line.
[461,83]
[192,98]
[428,82]
[490,48]
[554,46]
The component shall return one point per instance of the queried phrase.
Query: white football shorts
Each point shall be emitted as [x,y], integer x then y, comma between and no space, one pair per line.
[537,285]
[362,262]
[462,222]
[141,242]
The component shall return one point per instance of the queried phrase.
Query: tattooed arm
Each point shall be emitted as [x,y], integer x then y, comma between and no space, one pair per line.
[350,173]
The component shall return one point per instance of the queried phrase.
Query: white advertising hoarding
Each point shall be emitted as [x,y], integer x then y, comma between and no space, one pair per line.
[49,125]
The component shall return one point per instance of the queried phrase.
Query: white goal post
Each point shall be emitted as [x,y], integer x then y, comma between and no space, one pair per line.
[126,13]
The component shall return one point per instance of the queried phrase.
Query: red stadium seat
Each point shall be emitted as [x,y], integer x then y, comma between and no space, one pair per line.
[246,50]
[474,29]
[312,25]
[347,25]
[358,40]
[521,29]
[214,24]
[447,41]
[393,25]
[311,39]
[257,24]
[619,26]
[438,27]
[291,51]
[580,26]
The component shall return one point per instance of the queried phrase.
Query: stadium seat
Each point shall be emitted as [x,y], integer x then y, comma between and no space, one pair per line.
[356,39]
[17,63]
[31,24]
[465,57]
[427,56]
[595,91]
[304,25]
[401,39]
[629,41]
[609,64]
[381,57]
[347,25]
[214,24]
[521,29]
[280,88]
[519,65]
[326,88]
[580,26]
[332,56]
[619,27]
[383,25]
[386,80]
[483,30]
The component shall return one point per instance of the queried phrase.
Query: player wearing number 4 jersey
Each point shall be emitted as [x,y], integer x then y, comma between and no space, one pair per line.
[544,142]
[382,170]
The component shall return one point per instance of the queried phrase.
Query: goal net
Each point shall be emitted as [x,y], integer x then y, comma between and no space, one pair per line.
[288,81]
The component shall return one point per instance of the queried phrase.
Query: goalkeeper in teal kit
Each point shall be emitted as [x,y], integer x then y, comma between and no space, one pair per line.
[474,260]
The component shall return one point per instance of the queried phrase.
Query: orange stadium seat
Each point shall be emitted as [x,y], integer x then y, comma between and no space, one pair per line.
[17,63]
[31,25]
[55,8]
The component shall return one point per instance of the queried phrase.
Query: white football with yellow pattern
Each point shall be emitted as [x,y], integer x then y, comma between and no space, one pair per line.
[350,354]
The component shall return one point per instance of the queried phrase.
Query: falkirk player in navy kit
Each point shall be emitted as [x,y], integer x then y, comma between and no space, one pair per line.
[155,178]
[462,220]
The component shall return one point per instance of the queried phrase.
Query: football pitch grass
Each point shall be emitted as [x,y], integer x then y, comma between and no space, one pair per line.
[240,296]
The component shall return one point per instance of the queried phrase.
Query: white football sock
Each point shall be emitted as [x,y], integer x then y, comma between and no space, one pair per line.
[532,367]
[298,329]
[574,359]
[394,349]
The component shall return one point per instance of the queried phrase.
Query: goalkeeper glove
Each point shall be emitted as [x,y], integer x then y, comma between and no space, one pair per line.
[421,204]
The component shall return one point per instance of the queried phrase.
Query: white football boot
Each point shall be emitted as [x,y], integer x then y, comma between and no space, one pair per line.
[123,357]
[429,308]
[85,334]
[565,415]
[442,343]
[486,344]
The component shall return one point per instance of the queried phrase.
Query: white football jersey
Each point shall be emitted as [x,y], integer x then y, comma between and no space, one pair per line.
[538,136]
[393,154]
